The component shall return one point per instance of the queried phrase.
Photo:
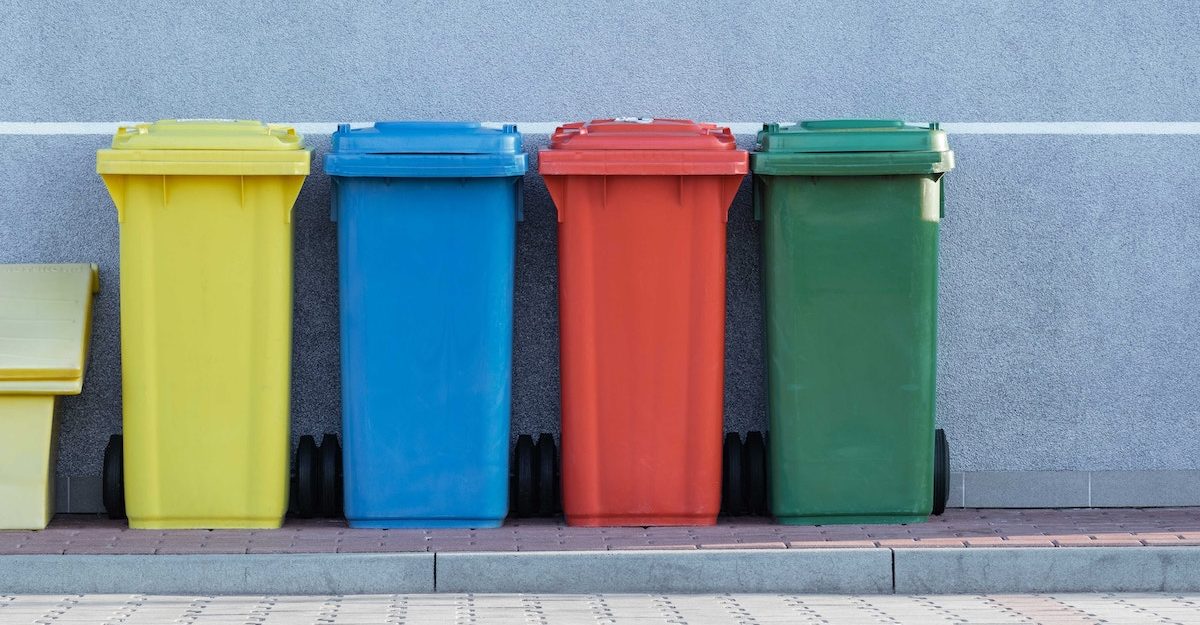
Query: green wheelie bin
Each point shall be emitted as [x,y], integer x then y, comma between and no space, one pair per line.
[850,212]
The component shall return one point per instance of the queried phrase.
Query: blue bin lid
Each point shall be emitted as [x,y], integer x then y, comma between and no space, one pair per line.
[426,150]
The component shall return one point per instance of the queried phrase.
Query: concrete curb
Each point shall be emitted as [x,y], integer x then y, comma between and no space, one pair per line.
[856,571]
[296,574]
[1047,569]
[851,571]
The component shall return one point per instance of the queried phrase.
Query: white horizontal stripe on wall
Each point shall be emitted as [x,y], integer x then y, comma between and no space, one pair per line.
[741,128]
[1073,128]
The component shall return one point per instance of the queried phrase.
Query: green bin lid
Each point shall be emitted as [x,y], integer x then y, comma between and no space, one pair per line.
[851,147]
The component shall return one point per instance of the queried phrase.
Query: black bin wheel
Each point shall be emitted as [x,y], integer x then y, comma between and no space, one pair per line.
[547,476]
[754,473]
[113,480]
[732,496]
[329,476]
[941,472]
[524,477]
[305,489]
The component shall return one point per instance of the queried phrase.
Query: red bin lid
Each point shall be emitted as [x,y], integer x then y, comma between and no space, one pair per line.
[637,146]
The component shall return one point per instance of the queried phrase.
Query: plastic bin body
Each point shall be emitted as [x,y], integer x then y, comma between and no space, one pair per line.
[642,208]
[44,332]
[426,216]
[27,456]
[206,319]
[850,213]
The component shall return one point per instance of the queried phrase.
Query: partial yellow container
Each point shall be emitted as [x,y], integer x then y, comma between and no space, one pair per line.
[45,322]
[206,318]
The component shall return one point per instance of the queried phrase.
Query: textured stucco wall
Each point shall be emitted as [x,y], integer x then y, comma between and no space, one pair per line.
[1069,333]
[310,60]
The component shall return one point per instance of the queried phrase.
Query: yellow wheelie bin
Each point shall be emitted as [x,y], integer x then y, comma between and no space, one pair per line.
[45,322]
[206,321]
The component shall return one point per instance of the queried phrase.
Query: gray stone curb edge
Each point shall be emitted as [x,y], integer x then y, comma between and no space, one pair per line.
[1047,569]
[857,571]
[851,571]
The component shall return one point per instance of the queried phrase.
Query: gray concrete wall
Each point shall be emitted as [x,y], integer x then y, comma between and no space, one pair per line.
[1069,335]
[305,60]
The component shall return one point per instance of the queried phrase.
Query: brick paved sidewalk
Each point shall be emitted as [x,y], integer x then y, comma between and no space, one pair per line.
[1150,527]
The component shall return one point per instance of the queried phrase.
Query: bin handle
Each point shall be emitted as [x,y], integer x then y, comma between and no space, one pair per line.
[756,197]
[333,199]
[941,181]
[518,187]
[942,197]
[138,129]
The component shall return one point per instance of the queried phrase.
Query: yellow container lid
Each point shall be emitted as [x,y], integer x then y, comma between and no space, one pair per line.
[205,147]
[45,321]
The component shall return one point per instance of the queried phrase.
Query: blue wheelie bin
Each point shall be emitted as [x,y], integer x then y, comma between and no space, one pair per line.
[426,215]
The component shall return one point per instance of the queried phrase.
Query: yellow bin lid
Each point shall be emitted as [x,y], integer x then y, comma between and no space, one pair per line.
[205,147]
[45,321]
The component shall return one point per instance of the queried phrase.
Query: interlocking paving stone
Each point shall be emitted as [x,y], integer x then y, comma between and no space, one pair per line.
[831,544]
[1133,527]
[1129,609]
